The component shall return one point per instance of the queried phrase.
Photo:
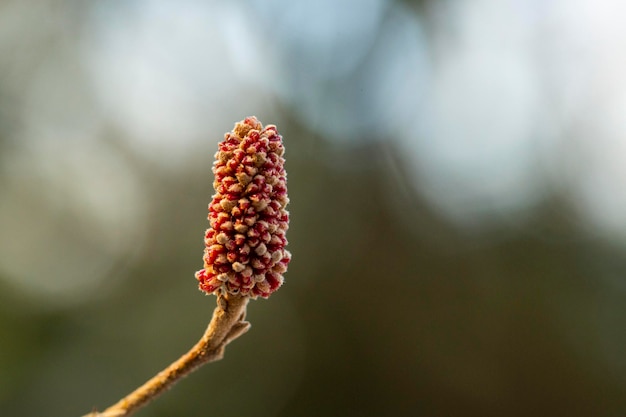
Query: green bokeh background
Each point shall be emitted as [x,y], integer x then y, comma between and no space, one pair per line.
[390,307]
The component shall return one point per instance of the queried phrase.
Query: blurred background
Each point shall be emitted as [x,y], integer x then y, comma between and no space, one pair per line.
[457,180]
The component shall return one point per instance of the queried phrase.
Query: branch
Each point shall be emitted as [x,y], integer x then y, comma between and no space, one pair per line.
[226,325]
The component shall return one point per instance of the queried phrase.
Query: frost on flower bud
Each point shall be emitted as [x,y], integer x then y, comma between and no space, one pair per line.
[245,244]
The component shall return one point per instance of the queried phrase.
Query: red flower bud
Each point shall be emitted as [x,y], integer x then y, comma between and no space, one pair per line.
[245,245]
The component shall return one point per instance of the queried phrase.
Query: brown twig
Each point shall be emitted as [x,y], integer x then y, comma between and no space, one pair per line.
[226,325]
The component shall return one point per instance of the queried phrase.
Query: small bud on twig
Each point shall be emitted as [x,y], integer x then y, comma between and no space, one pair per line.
[245,254]
[245,245]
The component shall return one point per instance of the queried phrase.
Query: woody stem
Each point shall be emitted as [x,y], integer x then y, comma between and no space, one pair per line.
[226,325]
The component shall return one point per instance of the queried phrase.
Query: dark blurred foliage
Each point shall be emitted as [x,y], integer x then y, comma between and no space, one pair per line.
[389,307]
[385,312]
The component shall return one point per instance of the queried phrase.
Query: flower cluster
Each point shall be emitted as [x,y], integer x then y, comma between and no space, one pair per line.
[245,245]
